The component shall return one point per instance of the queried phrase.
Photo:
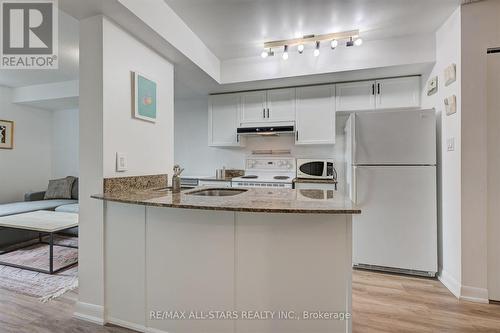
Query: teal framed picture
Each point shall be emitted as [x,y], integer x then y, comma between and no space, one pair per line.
[145,98]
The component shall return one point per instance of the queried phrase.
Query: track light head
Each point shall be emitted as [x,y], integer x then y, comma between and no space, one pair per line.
[264,54]
[334,43]
[358,42]
[350,42]
[316,50]
[285,52]
[300,48]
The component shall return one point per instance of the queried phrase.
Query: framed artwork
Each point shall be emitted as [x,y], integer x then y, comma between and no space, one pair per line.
[145,97]
[6,134]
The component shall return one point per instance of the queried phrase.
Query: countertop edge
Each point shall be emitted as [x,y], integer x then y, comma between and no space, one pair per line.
[338,211]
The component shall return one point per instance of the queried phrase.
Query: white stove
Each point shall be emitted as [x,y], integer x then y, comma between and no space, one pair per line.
[267,171]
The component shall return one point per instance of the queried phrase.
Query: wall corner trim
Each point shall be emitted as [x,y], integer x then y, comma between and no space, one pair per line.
[450,283]
[90,312]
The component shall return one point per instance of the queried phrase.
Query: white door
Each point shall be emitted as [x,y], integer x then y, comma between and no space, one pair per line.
[395,137]
[315,115]
[398,224]
[281,105]
[398,93]
[355,96]
[253,107]
[493,176]
[223,119]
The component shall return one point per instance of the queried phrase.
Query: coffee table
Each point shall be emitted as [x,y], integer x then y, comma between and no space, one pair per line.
[45,223]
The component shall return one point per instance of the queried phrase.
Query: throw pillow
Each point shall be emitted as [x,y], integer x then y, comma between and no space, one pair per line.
[74,190]
[59,188]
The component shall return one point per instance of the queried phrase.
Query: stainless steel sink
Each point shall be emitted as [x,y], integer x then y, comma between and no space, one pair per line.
[218,192]
[169,189]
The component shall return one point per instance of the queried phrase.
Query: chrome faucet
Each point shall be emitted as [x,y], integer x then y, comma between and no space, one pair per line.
[176,179]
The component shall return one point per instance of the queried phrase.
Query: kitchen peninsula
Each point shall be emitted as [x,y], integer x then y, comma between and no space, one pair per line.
[228,260]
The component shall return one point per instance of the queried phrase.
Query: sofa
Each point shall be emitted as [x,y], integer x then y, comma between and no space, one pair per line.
[34,201]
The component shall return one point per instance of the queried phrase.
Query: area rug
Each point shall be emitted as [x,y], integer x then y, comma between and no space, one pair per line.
[40,285]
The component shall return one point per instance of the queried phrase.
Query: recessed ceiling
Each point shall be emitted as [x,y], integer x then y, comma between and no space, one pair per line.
[68,60]
[238,28]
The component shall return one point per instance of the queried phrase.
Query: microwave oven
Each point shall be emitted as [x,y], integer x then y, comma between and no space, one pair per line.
[315,169]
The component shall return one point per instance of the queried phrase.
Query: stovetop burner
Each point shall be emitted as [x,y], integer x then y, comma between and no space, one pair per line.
[281,177]
[250,177]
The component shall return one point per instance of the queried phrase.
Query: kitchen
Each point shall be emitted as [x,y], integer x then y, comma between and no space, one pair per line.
[381,116]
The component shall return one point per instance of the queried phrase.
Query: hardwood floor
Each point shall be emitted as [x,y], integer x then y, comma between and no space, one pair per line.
[381,303]
[393,303]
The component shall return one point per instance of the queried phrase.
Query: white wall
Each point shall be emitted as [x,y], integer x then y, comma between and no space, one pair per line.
[193,153]
[148,146]
[480,30]
[449,200]
[107,57]
[28,166]
[65,141]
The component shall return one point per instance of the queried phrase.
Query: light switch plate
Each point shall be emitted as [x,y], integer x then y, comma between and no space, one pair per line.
[450,144]
[450,104]
[121,162]
[450,74]
[432,86]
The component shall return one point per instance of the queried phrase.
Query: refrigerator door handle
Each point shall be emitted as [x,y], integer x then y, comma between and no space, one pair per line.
[354,192]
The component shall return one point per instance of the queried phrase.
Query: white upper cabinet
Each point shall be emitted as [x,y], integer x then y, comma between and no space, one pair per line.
[223,120]
[398,93]
[354,96]
[277,105]
[402,92]
[280,105]
[253,107]
[315,115]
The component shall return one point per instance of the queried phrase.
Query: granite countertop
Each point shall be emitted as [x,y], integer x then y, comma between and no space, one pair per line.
[315,181]
[254,200]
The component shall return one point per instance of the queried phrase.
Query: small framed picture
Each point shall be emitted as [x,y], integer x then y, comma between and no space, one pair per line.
[6,134]
[145,97]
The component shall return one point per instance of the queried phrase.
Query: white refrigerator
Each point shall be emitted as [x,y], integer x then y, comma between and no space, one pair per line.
[391,177]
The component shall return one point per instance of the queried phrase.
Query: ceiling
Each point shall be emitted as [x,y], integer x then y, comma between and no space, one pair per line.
[68,60]
[238,28]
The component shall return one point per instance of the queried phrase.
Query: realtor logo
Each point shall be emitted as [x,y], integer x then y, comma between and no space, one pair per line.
[29,34]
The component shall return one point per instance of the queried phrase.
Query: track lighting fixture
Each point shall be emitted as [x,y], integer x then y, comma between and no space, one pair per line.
[351,37]
[285,52]
[316,50]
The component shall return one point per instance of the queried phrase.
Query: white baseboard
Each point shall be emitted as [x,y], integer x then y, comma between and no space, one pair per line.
[450,283]
[89,312]
[126,324]
[473,294]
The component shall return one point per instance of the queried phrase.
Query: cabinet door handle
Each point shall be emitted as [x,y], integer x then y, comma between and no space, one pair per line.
[373,88]
[267,112]
[237,138]
[264,113]
[297,136]
[378,88]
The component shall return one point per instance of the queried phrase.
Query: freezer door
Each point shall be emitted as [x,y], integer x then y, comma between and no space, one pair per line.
[396,137]
[397,226]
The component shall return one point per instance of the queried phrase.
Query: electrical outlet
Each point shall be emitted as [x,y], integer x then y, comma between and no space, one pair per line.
[450,144]
[121,162]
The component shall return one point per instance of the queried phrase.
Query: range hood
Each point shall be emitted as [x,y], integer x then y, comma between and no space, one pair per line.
[267,130]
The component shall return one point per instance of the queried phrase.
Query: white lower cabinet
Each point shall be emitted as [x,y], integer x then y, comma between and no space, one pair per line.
[315,115]
[223,120]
